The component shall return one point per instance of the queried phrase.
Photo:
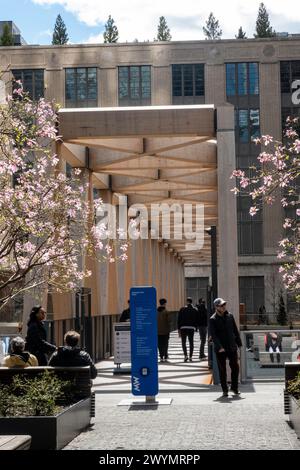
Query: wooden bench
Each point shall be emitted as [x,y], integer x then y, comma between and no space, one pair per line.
[15,442]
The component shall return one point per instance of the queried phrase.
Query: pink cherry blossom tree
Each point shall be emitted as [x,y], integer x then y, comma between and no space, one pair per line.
[277,175]
[46,224]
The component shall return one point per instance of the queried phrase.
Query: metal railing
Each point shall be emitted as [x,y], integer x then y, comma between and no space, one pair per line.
[263,356]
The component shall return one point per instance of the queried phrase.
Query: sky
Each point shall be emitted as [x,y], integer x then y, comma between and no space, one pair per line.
[138,19]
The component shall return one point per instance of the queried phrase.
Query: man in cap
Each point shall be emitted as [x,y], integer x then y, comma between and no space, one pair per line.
[226,339]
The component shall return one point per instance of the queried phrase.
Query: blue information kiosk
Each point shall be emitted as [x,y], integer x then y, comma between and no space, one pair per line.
[144,363]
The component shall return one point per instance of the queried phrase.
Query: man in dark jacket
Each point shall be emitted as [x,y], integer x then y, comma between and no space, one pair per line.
[125,315]
[163,329]
[202,325]
[187,325]
[71,355]
[226,339]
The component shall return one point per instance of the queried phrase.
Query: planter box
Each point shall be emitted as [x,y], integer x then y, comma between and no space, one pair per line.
[294,414]
[51,432]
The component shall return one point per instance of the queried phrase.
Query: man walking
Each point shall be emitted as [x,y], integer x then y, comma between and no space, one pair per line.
[202,325]
[226,339]
[187,325]
[163,329]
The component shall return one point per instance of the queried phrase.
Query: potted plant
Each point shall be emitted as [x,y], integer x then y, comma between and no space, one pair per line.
[44,407]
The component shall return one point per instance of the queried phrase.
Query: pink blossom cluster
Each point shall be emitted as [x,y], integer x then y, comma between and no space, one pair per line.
[278,176]
[46,223]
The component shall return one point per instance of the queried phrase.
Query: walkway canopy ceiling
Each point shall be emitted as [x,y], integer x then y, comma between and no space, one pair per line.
[157,154]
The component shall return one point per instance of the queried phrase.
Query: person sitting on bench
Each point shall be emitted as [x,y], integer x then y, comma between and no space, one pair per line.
[273,342]
[18,356]
[71,355]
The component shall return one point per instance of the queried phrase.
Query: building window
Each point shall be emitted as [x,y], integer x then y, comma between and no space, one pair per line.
[81,87]
[289,71]
[196,287]
[32,81]
[188,80]
[250,228]
[247,125]
[293,307]
[135,85]
[252,294]
[242,79]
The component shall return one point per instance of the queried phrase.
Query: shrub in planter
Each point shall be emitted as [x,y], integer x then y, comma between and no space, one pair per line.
[34,397]
[30,404]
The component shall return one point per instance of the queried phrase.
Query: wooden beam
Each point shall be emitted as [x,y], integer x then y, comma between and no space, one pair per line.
[165,185]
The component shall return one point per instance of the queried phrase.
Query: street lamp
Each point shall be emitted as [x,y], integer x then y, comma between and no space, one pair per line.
[212,362]
[212,231]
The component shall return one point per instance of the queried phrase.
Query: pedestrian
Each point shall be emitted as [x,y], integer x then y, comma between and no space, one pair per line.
[202,326]
[163,330]
[36,342]
[187,325]
[125,315]
[226,340]
[71,355]
[18,357]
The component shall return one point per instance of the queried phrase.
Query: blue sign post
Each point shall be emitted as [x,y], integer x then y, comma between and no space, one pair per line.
[143,318]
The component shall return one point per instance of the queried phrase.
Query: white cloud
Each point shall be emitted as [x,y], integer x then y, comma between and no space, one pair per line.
[94,39]
[46,32]
[139,18]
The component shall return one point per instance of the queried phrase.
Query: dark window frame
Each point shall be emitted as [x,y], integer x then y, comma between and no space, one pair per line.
[22,72]
[196,287]
[255,286]
[77,102]
[250,127]
[128,99]
[201,69]
[236,78]
[252,226]
[288,75]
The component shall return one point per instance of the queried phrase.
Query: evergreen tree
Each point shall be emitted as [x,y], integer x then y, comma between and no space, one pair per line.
[212,30]
[263,27]
[282,315]
[111,33]
[163,31]
[60,35]
[241,34]
[7,38]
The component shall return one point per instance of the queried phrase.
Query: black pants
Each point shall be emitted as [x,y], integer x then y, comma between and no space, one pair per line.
[203,333]
[277,357]
[187,333]
[163,344]
[234,366]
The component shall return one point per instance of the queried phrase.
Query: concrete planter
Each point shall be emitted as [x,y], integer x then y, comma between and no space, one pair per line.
[51,432]
[294,413]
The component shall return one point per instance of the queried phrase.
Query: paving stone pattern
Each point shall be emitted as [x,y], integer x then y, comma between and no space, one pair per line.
[197,419]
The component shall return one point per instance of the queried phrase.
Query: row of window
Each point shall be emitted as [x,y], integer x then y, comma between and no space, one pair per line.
[81,88]
[242,79]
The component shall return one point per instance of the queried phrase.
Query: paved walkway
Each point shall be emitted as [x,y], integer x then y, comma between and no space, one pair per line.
[197,419]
